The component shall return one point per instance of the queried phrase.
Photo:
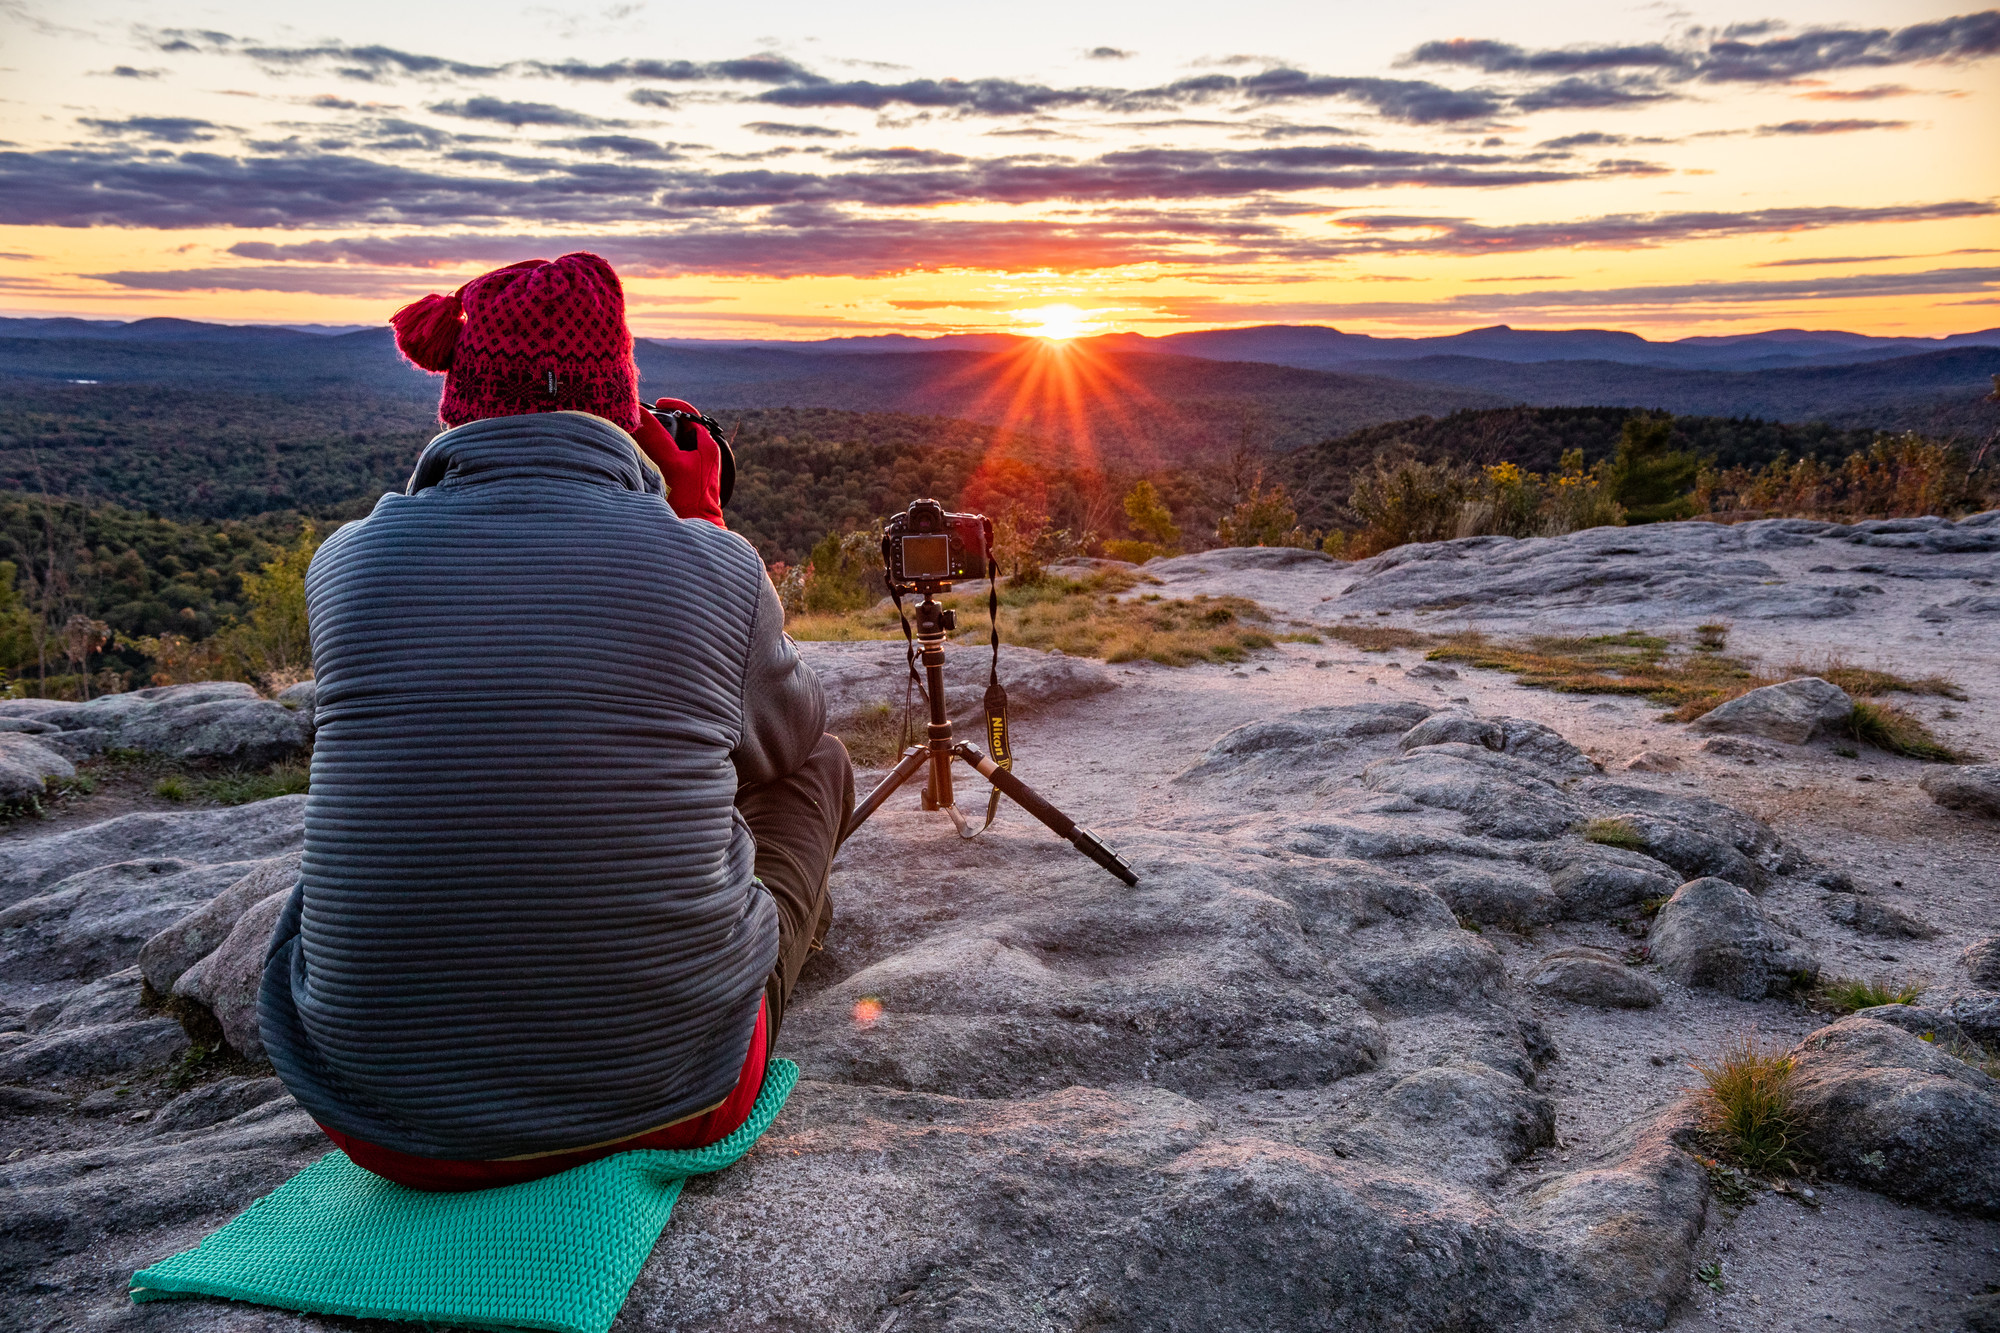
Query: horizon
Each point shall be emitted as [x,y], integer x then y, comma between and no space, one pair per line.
[787,176]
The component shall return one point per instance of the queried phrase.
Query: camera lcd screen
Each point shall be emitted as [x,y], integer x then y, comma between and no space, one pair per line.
[927,557]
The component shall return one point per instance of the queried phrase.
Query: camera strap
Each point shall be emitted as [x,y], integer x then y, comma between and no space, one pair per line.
[997,744]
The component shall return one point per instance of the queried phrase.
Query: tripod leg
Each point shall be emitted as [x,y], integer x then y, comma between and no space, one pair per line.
[1058,823]
[913,759]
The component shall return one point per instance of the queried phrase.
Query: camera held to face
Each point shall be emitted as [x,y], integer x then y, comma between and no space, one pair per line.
[925,549]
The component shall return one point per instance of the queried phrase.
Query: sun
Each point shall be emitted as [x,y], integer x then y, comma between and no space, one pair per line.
[1057,322]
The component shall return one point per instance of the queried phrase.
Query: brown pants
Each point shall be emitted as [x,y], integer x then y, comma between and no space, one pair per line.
[797,822]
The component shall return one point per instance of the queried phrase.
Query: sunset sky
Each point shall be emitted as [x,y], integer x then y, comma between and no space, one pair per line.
[797,170]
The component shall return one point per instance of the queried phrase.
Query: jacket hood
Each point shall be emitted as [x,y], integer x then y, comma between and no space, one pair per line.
[573,446]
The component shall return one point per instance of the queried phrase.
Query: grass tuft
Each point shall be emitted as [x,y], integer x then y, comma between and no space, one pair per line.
[174,787]
[1380,638]
[1748,1105]
[1614,832]
[243,788]
[1845,995]
[1897,732]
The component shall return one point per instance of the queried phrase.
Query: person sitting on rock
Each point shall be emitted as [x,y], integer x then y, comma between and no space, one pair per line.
[573,807]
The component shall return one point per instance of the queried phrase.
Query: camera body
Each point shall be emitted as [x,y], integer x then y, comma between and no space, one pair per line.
[926,549]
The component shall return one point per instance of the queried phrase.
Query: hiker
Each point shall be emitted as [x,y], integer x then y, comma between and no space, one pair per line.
[573,806]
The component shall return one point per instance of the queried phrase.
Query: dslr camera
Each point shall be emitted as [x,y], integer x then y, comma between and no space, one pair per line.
[925,549]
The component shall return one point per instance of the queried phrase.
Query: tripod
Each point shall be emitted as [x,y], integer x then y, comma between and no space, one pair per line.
[933,623]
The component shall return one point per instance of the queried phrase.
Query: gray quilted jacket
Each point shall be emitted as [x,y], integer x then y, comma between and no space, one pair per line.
[526,920]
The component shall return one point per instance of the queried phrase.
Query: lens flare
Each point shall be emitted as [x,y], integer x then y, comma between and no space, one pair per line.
[1058,322]
[866,1011]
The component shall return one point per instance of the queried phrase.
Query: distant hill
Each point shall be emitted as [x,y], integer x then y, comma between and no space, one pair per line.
[1936,392]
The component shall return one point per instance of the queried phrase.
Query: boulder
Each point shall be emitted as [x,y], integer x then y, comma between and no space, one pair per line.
[1981,960]
[226,982]
[1978,1014]
[1511,896]
[1888,1111]
[261,829]
[1544,745]
[1626,1222]
[98,1029]
[1866,916]
[95,921]
[1794,711]
[1464,1120]
[26,765]
[1652,761]
[1595,882]
[1450,728]
[166,955]
[1295,748]
[1712,934]
[222,721]
[1974,788]
[1593,977]
[1431,671]
[1931,1025]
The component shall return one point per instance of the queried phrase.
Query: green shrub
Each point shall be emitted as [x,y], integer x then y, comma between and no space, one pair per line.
[173,787]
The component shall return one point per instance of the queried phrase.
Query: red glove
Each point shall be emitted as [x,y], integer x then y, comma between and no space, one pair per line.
[694,476]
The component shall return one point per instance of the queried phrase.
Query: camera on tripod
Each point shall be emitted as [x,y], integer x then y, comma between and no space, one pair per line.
[925,549]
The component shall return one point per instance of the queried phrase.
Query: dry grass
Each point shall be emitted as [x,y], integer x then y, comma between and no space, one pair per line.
[1646,665]
[1845,995]
[1085,618]
[1897,732]
[1699,678]
[1748,1106]
[1380,638]
[1870,683]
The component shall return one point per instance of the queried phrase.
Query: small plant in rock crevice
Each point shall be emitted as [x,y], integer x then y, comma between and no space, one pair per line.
[1614,832]
[1748,1107]
[1846,995]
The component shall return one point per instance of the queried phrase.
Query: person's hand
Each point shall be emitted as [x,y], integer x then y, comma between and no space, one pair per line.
[693,476]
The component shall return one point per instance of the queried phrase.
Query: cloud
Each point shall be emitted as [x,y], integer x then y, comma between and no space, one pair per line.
[1927,283]
[133,72]
[1411,100]
[1108,53]
[1728,57]
[624,145]
[778,129]
[1830,259]
[990,97]
[517,114]
[166,129]
[1871,94]
[1506,58]
[1831,126]
[322,281]
[749,69]
[1633,231]
[1602,92]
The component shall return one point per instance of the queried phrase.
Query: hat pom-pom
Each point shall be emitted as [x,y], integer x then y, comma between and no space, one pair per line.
[427,331]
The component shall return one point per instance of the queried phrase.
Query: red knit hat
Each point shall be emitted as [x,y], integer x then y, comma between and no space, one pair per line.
[537,336]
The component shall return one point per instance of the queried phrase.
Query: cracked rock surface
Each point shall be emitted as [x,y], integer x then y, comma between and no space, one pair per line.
[1307,1075]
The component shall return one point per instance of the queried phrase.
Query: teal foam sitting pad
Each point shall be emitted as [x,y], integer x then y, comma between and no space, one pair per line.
[557,1253]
